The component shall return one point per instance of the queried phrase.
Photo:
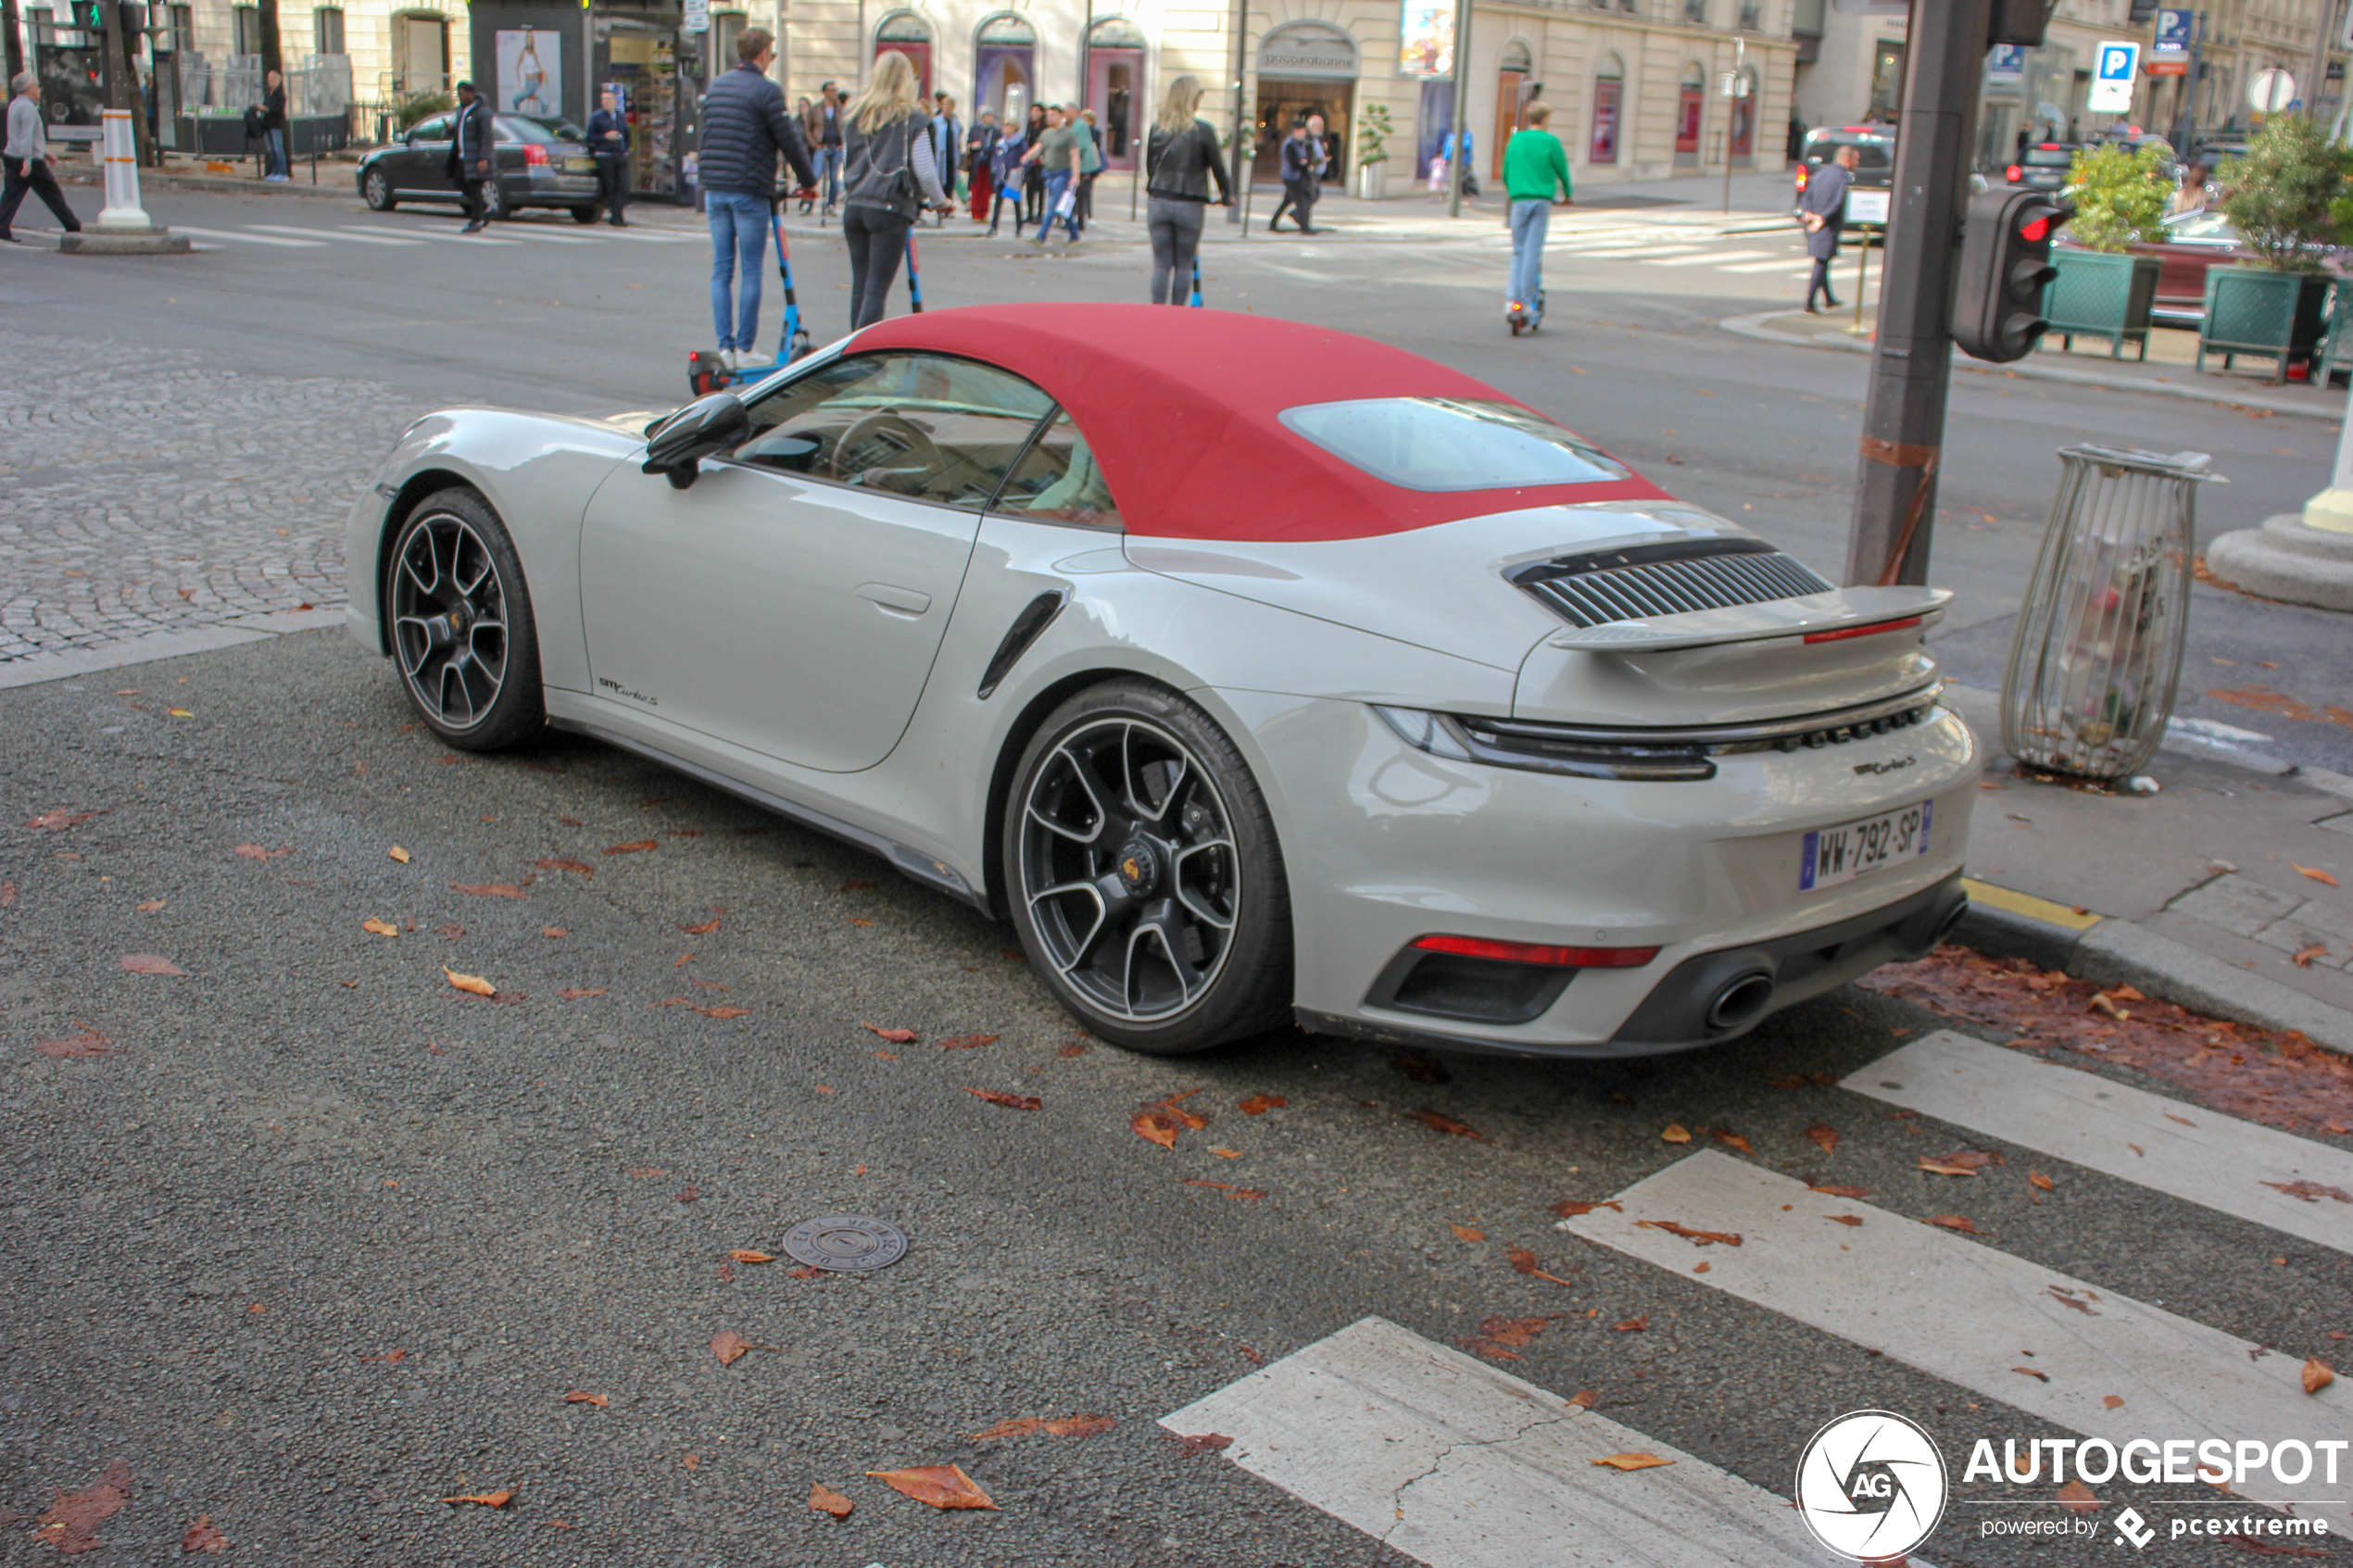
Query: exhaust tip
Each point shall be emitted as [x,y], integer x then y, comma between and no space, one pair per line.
[1951,926]
[1741,1001]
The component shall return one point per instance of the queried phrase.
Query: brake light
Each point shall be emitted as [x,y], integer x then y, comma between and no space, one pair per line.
[1856,129]
[534,154]
[1873,630]
[1537,953]
[1801,179]
[2046,146]
[2012,173]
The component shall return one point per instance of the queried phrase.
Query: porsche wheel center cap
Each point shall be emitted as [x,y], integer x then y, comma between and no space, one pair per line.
[1138,867]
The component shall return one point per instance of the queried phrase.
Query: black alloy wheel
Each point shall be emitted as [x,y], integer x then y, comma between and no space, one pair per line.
[375,189]
[494,205]
[461,624]
[583,214]
[1144,875]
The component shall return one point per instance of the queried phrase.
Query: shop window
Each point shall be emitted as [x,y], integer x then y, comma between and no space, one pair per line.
[326,30]
[1691,109]
[1887,79]
[247,28]
[725,27]
[1609,89]
[906,33]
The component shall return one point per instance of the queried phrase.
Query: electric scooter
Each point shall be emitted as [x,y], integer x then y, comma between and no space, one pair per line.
[915,283]
[1195,301]
[1522,317]
[705,374]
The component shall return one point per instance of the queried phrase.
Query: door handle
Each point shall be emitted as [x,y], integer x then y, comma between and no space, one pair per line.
[904,601]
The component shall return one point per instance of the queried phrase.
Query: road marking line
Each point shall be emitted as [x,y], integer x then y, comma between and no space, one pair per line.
[1720,257]
[1971,1314]
[433,234]
[2027,905]
[644,238]
[249,239]
[2185,1151]
[347,234]
[1778,262]
[1299,273]
[1460,1465]
[518,232]
[1614,251]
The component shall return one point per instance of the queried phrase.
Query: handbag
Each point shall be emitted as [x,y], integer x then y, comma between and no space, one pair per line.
[1069,203]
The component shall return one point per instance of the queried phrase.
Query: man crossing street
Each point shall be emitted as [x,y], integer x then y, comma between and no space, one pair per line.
[608,140]
[470,165]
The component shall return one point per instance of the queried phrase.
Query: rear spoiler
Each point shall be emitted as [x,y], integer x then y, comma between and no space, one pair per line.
[1842,612]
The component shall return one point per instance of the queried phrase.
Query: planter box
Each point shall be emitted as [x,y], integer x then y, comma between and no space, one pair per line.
[2256,311]
[2101,294]
[1372,182]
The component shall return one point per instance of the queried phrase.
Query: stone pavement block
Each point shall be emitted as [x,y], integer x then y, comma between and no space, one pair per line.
[2237,903]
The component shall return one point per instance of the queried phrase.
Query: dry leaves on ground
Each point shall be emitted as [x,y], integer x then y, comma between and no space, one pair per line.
[2318,1375]
[390,1357]
[1633,1325]
[484,1500]
[581,868]
[731,1347]
[489,889]
[381,927]
[824,1500]
[71,1523]
[398,854]
[1464,1233]
[896,1036]
[637,848]
[1057,1426]
[1011,1102]
[2036,1178]
[150,963]
[1730,1140]
[2311,1191]
[743,1255]
[1439,1121]
[1960,1162]
[1569,1209]
[255,852]
[2304,956]
[1675,1132]
[1499,1338]
[60,819]
[941,1485]
[1831,1189]
[1953,1223]
[1259,1105]
[574,992]
[1523,1261]
[473,984]
[577,1398]
[967,1042]
[1634,1461]
[1244,1194]
[1824,1134]
[89,1042]
[1697,1238]
[706,927]
[2315,873]
[202,1537]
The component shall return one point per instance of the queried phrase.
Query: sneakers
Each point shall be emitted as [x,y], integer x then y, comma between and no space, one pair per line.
[731,358]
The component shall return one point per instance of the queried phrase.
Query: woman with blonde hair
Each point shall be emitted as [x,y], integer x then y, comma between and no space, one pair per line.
[892,175]
[1180,159]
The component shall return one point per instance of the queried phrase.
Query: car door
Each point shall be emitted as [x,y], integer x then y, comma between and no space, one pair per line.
[424,167]
[792,599]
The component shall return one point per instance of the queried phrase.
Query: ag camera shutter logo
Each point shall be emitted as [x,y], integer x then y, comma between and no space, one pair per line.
[1871,1485]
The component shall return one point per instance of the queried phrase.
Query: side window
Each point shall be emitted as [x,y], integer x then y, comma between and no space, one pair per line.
[435,128]
[1058,481]
[924,426]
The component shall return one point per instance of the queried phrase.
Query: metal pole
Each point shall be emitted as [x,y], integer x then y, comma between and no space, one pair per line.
[1241,74]
[1911,357]
[1457,166]
[2321,41]
[1862,277]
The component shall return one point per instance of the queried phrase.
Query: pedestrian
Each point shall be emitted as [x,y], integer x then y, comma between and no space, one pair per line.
[1180,160]
[1535,164]
[947,145]
[1302,162]
[744,128]
[1009,171]
[1056,158]
[609,140]
[892,176]
[1034,188]
[1091,164]
[25,158]
[980,162]
[1823,209]
[2192,196]
[829,143]
[273,124]
[469,152]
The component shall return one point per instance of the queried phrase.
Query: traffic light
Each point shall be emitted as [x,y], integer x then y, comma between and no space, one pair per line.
[2006,261]
[88,16]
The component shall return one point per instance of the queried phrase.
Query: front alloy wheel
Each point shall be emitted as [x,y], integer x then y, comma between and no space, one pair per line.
[376,191]
[461,624]
[1145,883]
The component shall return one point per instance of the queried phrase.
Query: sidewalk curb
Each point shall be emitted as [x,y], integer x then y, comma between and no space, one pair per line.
[2117,952]
[1754,326]
[221,184]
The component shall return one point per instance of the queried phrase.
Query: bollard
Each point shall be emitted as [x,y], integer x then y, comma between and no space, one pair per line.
[122,226]
[2096,651]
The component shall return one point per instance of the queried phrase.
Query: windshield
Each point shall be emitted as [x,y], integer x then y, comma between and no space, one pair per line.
[1451,444]
[1875,152]
[539,127]
[2211,228]
[2049,157]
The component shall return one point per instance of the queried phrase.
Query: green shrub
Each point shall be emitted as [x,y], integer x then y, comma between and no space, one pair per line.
[1374,129]
[413,107]
[2281,194]
[2120,196]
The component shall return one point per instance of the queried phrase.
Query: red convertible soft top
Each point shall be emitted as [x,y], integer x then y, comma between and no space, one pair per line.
[1181,408]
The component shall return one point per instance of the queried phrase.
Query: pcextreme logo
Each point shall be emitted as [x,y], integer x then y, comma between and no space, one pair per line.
[1871,1485]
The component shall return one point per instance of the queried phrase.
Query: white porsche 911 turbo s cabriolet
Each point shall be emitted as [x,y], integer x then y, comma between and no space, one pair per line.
[1253,670]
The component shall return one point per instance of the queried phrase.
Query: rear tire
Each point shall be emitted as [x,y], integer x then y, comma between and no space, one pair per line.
[584,214]
[1144,875]
[461,627]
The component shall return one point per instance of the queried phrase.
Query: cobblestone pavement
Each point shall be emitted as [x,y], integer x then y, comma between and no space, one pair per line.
[142,491]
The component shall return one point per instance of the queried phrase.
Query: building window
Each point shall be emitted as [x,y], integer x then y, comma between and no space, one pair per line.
[1609,89]
[1887,79]
[184,29]
[904,32]
[1752,17]
[725,27]
[1695,12]
[1691,108]
[326,30]
[248,29]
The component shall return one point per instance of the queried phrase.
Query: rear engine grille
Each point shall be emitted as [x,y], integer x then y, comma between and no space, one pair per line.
[1634,584]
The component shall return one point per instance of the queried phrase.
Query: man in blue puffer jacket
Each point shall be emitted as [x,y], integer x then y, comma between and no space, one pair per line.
[745,126]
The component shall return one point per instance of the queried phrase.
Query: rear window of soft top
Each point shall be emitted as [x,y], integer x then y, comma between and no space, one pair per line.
[1451,443]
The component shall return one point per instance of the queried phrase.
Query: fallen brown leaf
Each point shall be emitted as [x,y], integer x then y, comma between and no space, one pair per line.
[1585,1399]
[967,1042]
[1675,1132]
[1463,1233]
[484,1500]
[941,1485]
[60,819]
[203,1537]
[1155,1126]
[577,1398]
[1524,1262]
[1633,1325]
[692,1461]
[1632,1462]
[1570,1208]
[998,1096]
[824,1500]
[744,1255]
[148,906]
[2318,1375]
[1062,1427]
[896,1036]
[1824,1134]
[2304,956]
[150,963]
[1962,1163]
[2315,873]
[381,927]
[729,1347]
[71,1523]
[1438,1121]
[489,889]
[398,854]
[647,1173]
[574,992]
[255,852]
[1697,1238]
[580,868]
[2029,1372]
[1953,1223]
[725,1013]
[1202,1442]
[1844,1219]
[1498,1337]
[2114,1401]
[1259,1105]
[637,848]
[474,984]
[2036,1178]
[1225,1153]
[1832,1190]
[1730,1139]
[8,897]
[2076,1498]
[89,1042]
[390,1357]
[2311,1192]
[705,929]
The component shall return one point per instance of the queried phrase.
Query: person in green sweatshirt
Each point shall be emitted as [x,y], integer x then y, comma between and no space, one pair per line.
[1534,165]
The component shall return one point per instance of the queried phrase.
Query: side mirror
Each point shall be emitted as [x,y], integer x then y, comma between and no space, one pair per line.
[707,426]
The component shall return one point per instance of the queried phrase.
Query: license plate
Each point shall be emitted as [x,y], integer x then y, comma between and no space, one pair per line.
[580,165]
[1842,854]
[1867,206]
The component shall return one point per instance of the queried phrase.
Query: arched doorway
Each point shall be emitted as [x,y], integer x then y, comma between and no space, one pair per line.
[1304,68]
[1115,87]
[904,32]
[1005,68]
[1691,115]
[1516,85]
[1743,119]
[1609,110]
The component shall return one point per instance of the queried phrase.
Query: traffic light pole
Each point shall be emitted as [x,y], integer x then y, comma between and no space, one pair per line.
[1911,362]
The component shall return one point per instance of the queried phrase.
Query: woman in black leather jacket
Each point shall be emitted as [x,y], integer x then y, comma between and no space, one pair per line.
[1181,159]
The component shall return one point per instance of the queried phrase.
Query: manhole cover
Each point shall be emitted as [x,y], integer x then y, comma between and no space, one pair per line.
[846,1243]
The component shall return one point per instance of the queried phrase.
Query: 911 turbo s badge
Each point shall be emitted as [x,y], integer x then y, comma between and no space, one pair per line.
[1895,767]
[619,690]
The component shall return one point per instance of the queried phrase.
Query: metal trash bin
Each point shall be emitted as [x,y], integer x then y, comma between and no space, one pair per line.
[2097,652]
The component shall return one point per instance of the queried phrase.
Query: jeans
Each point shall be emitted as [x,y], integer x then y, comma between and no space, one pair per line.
[1176,231]
[877,239]
[1299,199]
[738,241]
[276,141]
[829,171]
[1056,184]
[1008,195]
[32,175]
[612,186]
[1530,221]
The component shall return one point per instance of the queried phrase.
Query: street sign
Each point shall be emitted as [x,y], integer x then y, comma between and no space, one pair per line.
[2006,65]
[2175,31]
[2167,68]
[2115,66]
[698,17]
[2271,91]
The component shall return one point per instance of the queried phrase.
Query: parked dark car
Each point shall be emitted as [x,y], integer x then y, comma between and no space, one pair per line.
[2044,165]
[540,162]
[1874,173]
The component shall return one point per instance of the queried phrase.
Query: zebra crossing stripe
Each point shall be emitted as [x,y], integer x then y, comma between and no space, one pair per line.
[2038,1340]
[1773,266]
[1459,1465]
[2185,1151]
[249,238]
[316,234]
[1605,251]
[1714,258]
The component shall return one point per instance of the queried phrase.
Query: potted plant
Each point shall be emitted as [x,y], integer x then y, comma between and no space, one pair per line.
[1373,131]
[2281,198]
[2103,290]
